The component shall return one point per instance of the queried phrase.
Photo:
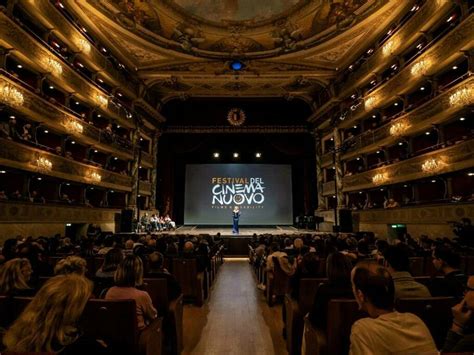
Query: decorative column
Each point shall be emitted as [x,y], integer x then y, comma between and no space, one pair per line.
[318,145]
[132,201]
[154,170]
[338,165]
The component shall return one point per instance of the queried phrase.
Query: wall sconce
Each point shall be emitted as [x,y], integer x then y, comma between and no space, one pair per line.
[44,164]
[398,128]
[94,176]
[73,126]
[420,68]
[379,178]
[101,100]
[389,47]
[462,97]
[432,165]
[370,103]
[11,95]
[83,45]
[53,66]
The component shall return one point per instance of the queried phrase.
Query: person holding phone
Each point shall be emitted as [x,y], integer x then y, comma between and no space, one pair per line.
[460,337]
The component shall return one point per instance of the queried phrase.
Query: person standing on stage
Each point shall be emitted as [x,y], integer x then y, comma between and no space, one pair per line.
[235,220]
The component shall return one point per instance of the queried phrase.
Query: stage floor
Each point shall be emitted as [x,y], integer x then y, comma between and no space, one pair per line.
[243,231]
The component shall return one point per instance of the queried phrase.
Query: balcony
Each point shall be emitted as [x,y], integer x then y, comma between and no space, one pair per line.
[453,158]
[23,157]
[432,112]
[70,80]
[40,110]
[329,188]
[430,12]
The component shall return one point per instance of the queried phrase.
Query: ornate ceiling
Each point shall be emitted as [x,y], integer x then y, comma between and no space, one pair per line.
[290,48]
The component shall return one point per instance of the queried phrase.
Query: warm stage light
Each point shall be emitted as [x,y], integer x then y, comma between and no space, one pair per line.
[258,155]
[216,155]
[236,155]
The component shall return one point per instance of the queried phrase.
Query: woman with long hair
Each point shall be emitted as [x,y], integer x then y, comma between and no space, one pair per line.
[49,322]
[14,277]
[71,265]
[129,276]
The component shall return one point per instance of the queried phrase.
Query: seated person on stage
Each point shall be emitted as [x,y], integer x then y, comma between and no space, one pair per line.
[460,338]
[398,265]
[385,331]
[338,272]
[162,223]
[144,222]
[71,265]
[169,223]
[14,277]
[448,262]
[157,270]
[49,323]
[129,276]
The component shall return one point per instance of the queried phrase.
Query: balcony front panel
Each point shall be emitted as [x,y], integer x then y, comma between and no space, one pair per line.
[454,158]
[329,188]
[23,157]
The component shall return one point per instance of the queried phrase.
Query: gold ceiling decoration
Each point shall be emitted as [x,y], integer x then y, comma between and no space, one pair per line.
[101,100]
[73,127]
[399,127]
[380,178]
[95,176]
[390,46]
[83,45]
[420,67]
[44,164]
[370,103]
[462,97]
[53,66]
[236,117]
[433,165]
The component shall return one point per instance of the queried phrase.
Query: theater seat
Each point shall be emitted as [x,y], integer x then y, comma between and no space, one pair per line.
[434,311]
[190,280]
[278,282]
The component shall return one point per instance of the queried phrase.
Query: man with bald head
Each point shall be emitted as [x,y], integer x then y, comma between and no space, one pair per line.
[385,331]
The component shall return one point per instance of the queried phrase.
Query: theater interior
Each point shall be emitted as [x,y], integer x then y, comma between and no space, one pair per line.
[359,113]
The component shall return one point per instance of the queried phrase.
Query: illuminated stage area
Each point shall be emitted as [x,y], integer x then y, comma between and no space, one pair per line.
[243,231]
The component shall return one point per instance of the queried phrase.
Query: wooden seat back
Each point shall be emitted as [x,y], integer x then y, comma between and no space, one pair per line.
[158,290]
[342,314]
[469,265]
[185,271]
[307,292]
[434,311]
[281,280]
[417,266]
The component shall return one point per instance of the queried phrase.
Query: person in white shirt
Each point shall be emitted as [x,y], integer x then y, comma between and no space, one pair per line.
[385,331]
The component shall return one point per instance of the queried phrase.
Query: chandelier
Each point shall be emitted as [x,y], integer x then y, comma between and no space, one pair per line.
[380,178]
[11,95]
[96,177]
[398,128]
[83,45]
[53,66]
[462,97]
[44,164]
[420,68]
[101,100]
[73,126]
[432,165]
[370,103]
[389,47]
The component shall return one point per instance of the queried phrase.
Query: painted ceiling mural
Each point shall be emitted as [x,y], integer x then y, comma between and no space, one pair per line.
[236,10]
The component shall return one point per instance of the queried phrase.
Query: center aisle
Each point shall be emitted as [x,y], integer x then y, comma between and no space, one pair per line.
[236,320]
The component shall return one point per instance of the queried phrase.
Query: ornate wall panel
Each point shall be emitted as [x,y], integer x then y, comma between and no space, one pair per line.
[23,157]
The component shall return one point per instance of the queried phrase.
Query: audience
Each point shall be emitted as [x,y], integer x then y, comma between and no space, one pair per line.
[50,322]
[385,331]
[157,270]
[128,277]
[14,277]
[398,265]
[338,272]
[112,260]
[448,263]
[71,265]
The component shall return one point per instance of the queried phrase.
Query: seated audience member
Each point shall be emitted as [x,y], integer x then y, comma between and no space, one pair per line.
[26,133]
[448,262]
[398,265]
[338,272]
[112,260]
[14,277]
[307,268]
[274,252]
[298,244]
[128,247]
[385,331]
[129,276]
[71,265]
[189,253]
[390,203]
[460,338]
[66,246]
[108,245]
[157,270]
[35,198]
[3,195]
[50,321]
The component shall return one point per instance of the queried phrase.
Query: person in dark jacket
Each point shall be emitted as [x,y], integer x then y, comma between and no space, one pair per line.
[454,282]
[157,270]
[338,271]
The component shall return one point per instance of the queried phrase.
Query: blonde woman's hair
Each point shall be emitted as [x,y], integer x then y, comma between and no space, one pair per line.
[71,265]
[130,272]
[11,276]
[51,317]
